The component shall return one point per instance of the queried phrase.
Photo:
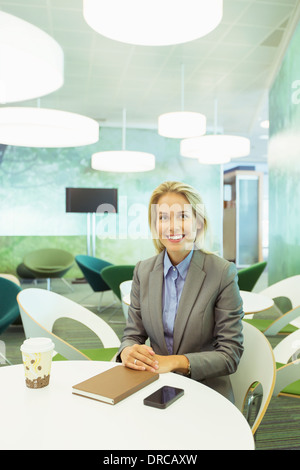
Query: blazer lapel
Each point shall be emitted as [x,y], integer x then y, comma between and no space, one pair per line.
[192,286]
[155,301]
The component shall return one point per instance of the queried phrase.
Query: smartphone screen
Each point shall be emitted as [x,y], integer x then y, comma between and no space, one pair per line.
[163,397]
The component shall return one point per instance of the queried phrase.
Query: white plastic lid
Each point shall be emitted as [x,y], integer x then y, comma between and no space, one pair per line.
[36,345]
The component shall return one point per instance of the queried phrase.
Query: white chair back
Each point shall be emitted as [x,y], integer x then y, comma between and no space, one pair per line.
[288,348]
[40,308]
[286,352]
[257,365]
[125,288]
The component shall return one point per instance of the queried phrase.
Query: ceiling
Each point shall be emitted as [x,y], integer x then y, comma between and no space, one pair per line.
[232,66]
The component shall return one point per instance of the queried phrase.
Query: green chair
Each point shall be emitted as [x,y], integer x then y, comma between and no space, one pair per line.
[41,308]
[49,263]
[248,277]
[114,276]
[91,268]
[9,310]
[24,273]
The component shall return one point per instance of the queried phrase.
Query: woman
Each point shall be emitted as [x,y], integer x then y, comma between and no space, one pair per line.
[186,301]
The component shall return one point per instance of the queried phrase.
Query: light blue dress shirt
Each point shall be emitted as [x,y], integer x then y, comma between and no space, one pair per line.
[174,278]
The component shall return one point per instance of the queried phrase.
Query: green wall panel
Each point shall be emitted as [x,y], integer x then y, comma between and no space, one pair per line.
[284,167]
[32,197]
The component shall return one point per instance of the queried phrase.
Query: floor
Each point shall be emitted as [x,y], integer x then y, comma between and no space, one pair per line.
[280,428]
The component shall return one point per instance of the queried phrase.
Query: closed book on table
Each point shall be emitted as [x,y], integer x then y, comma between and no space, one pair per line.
[114,384]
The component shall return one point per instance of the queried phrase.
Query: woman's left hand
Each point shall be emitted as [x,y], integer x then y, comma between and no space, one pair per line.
[165,363]
[172,363]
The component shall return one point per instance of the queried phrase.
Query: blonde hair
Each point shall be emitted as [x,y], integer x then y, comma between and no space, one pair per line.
[194,200]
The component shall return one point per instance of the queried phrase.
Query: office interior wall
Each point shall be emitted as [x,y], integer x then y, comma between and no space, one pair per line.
[284,167]
[32,197]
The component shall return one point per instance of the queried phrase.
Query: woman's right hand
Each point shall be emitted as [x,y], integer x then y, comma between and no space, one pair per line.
[139,357]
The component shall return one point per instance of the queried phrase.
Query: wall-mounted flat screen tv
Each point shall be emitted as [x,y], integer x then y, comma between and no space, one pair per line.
[100,200]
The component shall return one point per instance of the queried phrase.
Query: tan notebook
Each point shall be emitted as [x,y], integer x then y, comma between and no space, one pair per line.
[114,384]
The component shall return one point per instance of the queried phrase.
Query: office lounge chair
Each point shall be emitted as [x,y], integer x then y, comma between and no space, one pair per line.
[281,325]
[287,370]
[9,310]
[91,268]
[49,263]
[286,296]
[248,277]
[40,309]
[288,366]
[257,365]
[115,275]
[11,277]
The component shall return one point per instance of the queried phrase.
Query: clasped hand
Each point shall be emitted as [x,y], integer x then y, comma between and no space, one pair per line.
[142,357]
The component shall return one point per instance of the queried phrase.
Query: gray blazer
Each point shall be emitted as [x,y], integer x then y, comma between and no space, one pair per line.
[208,324]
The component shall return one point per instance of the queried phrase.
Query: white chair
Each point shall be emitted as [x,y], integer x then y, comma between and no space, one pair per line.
[40,309]
[289,321]
[257,364]
[125,288]
[290,288]
[288,372]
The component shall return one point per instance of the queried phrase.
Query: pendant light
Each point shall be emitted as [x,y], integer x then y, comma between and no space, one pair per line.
[181,124]
[41,127]
[31,61]
[216,148]
[123,161]
[153,22]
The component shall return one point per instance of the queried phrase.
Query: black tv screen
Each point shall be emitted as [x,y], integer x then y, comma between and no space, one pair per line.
[100,200]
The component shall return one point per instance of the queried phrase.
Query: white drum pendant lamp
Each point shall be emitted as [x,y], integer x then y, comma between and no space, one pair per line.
[123,161]
[40,127]
[181,124]
[215,149]
[153,22]
[32,62]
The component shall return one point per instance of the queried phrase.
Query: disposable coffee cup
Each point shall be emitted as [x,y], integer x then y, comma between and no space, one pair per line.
[37,359]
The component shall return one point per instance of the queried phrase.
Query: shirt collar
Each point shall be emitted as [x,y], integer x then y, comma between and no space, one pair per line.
[181,267]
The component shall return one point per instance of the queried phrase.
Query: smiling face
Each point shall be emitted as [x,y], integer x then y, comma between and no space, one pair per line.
[176,225]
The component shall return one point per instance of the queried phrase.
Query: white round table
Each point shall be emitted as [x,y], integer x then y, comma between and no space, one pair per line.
[254,303]
[54,418]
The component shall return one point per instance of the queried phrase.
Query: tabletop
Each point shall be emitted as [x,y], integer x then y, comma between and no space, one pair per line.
[254,302]
[54,418]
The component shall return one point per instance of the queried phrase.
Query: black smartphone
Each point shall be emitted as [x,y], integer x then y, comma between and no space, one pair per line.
[163,397]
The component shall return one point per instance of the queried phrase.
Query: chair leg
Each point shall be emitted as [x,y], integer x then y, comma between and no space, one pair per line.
[100,310]
[123,322]
[67,284]
[5,359]
[48,283]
